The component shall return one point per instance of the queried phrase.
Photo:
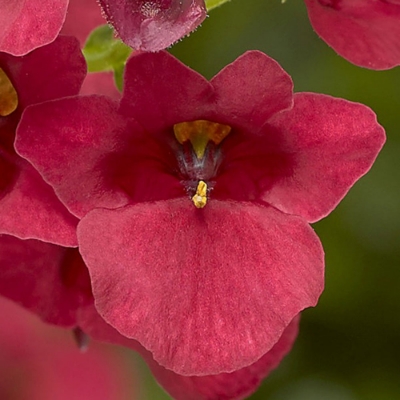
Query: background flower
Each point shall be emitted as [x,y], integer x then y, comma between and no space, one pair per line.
[365,32]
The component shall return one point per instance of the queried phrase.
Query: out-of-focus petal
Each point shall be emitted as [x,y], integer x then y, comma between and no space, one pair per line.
[365,32]
[28,24]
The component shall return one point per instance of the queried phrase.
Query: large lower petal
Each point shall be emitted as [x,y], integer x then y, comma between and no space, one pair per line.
[365,32]
[28,24]
[332,143]
[229,386]
[205,290]
[153,25]
[52,281]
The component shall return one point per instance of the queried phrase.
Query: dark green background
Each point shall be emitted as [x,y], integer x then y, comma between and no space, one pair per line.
[348,347]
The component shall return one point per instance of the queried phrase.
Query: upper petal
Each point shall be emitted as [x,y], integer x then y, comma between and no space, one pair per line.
[195,286]
[153,25]
[365,32]
[160,91]
[333,142]
[252,89]
[28,24]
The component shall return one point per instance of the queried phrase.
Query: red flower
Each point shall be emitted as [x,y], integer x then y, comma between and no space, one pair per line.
[365,32]
[156,24]
[195,198]
[28,206]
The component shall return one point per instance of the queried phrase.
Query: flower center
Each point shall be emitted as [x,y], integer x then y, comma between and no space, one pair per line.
[200,156]
[8,95]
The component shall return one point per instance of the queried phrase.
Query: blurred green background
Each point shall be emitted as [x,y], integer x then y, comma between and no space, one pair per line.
[348,347]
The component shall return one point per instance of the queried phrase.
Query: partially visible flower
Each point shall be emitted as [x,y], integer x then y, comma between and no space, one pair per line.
[39,362]
[153,25]
[28,206]
[195,199]
[28,24]
[365,32]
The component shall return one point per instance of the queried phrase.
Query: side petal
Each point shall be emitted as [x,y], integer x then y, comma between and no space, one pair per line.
[53,71]
[49,280]
[28,24]
[66,140]
[153,25]
[194,286]
[333,143]
[160,91]
[364,32]
[233,386]
[252,89]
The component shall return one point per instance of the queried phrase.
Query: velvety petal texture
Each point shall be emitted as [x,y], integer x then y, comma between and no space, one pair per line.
[365,32]
[233,386]
[225,270]
[334,142]
[29,207]
[52,281]
[153,25]
[28,24]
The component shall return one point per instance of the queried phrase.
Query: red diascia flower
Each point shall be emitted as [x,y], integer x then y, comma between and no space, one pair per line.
[47,278]
[365,32]
[154,24]
[195,199]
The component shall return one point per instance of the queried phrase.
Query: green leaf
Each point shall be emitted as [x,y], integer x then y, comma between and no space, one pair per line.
[105,53]
[210,4]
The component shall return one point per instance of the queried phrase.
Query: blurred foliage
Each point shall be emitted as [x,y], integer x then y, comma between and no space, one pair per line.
[210,4]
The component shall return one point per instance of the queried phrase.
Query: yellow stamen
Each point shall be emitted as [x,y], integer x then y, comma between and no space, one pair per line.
[8,95]
[200,198]
[199,133]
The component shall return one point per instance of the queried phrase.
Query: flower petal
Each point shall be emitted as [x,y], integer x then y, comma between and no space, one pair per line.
[334,142]
[114,159]
[194,286]
[364,32]
[53,71]
[233,386]
[252,89]
[160,91]
[28,24]
[153,25]
[52,281]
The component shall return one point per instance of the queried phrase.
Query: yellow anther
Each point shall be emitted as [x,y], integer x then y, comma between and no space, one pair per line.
[200,198]
[8,95]
[199,133]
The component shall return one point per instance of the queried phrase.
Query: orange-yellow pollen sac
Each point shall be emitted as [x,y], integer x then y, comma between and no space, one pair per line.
[200,198]
[199,133]
[8,95]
